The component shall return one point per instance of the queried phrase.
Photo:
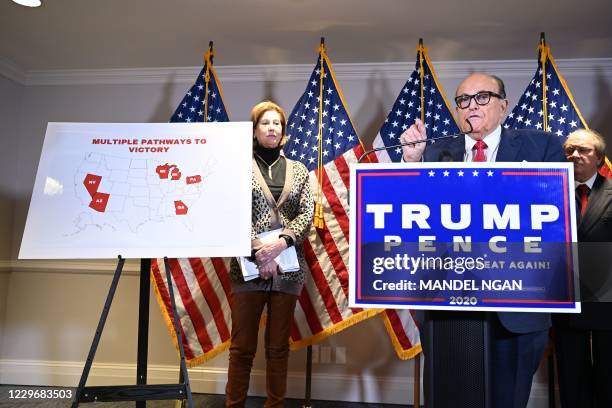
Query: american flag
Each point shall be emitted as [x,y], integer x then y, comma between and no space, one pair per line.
[201,285]
[322,308]
[421,97]
[559,115]
[434,109]
[195,106]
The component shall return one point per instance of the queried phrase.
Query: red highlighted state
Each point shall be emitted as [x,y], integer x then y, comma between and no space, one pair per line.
[180,208]
[99,201]
[163,170]
[193,179]
[175,173]
[92,183]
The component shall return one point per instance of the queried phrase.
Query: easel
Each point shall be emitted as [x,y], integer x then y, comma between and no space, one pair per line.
[141,392]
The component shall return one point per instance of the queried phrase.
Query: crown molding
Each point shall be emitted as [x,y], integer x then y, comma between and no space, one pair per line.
[294,72]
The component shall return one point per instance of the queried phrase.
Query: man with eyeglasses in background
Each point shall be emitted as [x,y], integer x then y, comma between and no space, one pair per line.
[583,342]
[517,339]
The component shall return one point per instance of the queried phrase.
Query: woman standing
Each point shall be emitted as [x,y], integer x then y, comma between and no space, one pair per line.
[281,200]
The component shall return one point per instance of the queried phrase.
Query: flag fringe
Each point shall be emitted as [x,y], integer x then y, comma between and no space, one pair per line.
[170,326]
[294,345]
[196,361]
[330,331]
[399,350]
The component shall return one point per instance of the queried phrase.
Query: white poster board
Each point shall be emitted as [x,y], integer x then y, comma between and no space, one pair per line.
[141,190]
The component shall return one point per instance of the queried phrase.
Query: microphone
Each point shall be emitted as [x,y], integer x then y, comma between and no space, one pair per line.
[433,139]
[445,156]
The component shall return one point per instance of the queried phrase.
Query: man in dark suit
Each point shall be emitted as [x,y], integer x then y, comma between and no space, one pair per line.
[517,339]
[584,341]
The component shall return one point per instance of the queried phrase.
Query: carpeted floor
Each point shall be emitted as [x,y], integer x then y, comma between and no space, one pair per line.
[9,392]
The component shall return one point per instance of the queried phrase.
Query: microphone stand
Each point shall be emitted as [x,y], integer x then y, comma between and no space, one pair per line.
[433,139]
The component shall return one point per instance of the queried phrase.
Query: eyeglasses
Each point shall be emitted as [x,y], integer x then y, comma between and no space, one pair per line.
[569,150]
[481,98]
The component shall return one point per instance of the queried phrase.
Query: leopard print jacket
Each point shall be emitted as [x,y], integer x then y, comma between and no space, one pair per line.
[293,213]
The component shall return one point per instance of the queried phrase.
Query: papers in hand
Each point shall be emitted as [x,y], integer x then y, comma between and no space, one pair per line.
[287,260]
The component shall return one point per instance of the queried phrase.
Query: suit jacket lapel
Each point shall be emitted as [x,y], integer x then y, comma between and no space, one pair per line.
[598,201]
[454,147]
[264,187]
[289,168]
[509,146]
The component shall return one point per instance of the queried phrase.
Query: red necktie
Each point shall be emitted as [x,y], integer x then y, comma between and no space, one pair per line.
[583,193]
[479,154]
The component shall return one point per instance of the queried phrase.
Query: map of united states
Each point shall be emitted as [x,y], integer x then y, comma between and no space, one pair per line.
[122,194]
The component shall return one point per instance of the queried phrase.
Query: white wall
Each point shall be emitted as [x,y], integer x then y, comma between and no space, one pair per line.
[49,310]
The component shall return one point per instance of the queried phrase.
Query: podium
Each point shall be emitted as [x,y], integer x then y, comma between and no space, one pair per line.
[486,248]
[457,348]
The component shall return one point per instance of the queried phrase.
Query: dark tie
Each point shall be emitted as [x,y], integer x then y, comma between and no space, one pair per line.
[583,194]
[479,154]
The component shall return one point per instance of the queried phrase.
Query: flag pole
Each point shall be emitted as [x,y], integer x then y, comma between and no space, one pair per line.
[420,50]
[543,57]
[550,360]
[208,60]
[417,359]
[318,215]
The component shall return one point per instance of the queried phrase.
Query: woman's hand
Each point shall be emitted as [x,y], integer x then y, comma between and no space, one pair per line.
[268,270]
[270,251]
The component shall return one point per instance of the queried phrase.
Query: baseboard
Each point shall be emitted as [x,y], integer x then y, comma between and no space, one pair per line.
[336,387]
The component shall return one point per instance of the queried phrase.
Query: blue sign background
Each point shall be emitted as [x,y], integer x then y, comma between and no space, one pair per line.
[547,278]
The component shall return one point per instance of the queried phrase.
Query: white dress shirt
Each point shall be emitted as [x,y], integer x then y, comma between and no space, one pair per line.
[492,140]
[589,182]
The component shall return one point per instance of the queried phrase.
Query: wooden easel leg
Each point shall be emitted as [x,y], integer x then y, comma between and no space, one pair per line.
[179,337]
[99,329]
[143,326]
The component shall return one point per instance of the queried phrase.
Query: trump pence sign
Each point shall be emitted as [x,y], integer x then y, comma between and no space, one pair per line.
[466,236]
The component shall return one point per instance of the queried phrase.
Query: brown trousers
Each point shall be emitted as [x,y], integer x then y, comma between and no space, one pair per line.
[247,308]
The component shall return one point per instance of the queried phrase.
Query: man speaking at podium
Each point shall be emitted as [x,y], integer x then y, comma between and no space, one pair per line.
[517,339]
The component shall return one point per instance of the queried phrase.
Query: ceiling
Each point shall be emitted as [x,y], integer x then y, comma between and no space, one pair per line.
[87,34]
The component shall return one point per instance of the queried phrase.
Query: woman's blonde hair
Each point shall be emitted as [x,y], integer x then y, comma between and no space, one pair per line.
[258,111]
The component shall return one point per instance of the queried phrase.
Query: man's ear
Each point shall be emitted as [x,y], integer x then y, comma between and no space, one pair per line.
[504,106]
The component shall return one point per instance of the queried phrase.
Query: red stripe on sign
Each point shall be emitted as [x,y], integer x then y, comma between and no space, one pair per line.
[322,284]
[398,329]
[190,306]
[310,312]
[163,292]
[223,275]
[211,297]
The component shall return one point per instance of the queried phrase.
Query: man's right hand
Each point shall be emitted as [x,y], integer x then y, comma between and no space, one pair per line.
[413,153]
